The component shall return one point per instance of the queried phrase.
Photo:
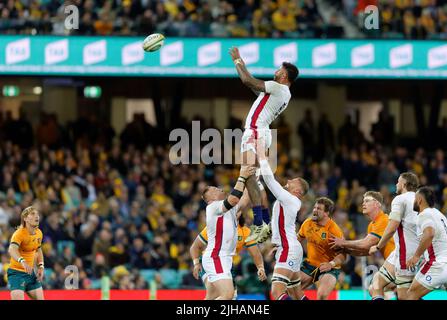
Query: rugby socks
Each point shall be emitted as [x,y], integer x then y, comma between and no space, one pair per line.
[257,215]
[266,215]
[284,296]
[378,298]
[304,298]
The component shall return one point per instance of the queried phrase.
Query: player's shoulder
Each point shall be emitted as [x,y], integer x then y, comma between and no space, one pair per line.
[39,232]
[20,231]
[334,226]
[307,222]
[214,206]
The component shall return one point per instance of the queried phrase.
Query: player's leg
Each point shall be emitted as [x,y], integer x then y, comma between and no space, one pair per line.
[382,279]
[36,294]
[326,285]
[403,285]
[248,155]
[225,289]
[294,287]
[17,284]
[280,279]
[211,291]
[17,295]
[416,291]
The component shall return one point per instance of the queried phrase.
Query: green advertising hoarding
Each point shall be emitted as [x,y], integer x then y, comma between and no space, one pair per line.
[208,57]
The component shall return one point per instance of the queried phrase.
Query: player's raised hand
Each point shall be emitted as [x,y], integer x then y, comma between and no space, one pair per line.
[261,274]
[197,270]
[234,53]
[247,171]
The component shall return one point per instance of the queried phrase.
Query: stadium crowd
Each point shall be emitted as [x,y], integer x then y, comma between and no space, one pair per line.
[123,210]
[419,19]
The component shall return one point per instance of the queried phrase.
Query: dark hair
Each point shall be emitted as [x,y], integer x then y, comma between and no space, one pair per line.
[429,195]
[328,204]
[292,71]
[411,181]
[374,194]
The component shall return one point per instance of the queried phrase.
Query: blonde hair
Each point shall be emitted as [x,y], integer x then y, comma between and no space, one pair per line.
[25,214]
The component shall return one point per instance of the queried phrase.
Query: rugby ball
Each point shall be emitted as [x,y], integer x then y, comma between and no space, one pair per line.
[153,42]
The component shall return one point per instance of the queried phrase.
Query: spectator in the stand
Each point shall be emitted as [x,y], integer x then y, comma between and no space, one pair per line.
[306,131]
[326,138]
[383,130]
[284,20]
[333,28]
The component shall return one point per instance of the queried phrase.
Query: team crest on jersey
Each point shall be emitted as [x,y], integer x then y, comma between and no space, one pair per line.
[323,235]
[239,238]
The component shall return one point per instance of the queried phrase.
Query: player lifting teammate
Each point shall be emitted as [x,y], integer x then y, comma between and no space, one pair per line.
[289,253]
[273,98]
[201,242]
[25,244]
[402,219]
[221,224]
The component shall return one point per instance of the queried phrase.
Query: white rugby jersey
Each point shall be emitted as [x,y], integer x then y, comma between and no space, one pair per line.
[221,229]
[285,210]
[405,238]
[432,217]
[268,106]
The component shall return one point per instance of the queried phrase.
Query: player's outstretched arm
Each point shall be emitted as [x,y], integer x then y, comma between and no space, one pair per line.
[255,84]
[354,247]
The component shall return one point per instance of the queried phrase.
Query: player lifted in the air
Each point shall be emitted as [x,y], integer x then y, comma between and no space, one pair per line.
[221,225]
[273,98]
[289,254]
[432,230]
[402,219]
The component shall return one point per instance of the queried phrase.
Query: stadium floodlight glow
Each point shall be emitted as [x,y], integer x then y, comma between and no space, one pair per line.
[11,91]
[37,90]
[92,92]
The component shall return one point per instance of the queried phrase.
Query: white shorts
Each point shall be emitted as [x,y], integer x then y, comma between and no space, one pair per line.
[434,276]
[217,268]
[407,273]
[249,136]
[289,260]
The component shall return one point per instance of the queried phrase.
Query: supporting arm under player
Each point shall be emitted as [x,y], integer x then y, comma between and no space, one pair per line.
[238,190]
